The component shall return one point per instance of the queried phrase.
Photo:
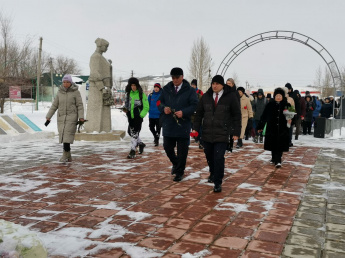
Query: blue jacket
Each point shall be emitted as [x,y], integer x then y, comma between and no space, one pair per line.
[186,101]
[153,98]
[318,106]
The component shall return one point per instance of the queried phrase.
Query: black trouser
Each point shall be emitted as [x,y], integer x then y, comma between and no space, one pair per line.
[66,146]
[179,160]
[298,126]
[290,133]
[277,156]
[215,159]
[306,127]
[256,130]
[155,127]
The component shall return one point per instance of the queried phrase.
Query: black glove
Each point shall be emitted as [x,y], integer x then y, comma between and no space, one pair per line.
[47,123]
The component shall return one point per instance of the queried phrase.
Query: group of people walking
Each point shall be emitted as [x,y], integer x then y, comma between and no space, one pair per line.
[224,114]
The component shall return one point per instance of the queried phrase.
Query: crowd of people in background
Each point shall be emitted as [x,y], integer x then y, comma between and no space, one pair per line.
[224,114]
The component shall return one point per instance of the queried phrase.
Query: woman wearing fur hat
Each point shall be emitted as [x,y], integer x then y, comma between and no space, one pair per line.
[277,132]
[137,107]
[70,107]
[247,113]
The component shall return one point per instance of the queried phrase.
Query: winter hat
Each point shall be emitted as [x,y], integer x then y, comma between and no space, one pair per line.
[288,85]
[194,82]
[157,85]
[241,89]
[176,71]
[307,92]
[308,96]
[279,91]
[133,80]
[261,91]
[218,78]
[296,92]
[68,78]
[269,95]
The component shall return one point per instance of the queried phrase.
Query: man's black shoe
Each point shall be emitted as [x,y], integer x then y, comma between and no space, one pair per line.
[210,179]
[173,170]
[178,178]
[290,144]
[141,147]
[217,188]
[131,154]
[156,141]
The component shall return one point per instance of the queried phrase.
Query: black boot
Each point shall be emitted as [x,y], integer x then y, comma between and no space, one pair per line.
[156,141]
[239,143]
[261,139]
[131,154]
[141,147]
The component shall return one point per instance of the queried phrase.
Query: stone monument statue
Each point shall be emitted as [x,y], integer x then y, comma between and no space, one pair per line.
[100,97]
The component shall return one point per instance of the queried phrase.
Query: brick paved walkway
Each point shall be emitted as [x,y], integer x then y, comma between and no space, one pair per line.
[128,206]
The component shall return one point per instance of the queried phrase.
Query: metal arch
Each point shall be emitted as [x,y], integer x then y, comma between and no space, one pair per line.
[287,35]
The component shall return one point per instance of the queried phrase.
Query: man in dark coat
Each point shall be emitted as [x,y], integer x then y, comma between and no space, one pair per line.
[219,112]
[178,102]
[277,132]
[258,105]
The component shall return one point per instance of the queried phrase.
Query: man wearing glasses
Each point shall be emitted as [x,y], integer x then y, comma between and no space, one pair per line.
[178,102]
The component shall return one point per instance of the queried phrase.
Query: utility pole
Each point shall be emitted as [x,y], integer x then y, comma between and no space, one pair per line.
[132,73]
[51,77]
[38,72]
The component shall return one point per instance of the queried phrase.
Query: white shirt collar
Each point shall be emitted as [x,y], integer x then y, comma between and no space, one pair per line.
[219,94]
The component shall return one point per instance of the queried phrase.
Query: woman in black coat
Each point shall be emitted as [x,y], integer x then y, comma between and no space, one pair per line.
[277,133]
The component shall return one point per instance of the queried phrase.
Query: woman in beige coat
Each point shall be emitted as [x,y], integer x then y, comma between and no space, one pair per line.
[70,107]
[247,113]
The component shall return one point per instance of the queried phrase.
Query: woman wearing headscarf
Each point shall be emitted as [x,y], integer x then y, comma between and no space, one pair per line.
[70,107]
[277,133]
[137,107]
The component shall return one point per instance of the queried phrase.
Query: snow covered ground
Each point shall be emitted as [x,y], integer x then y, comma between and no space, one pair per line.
[119,122]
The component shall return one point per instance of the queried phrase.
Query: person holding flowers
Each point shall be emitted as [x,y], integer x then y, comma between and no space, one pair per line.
[277,132]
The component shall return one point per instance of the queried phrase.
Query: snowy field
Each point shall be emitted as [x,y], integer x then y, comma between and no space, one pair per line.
[119,122]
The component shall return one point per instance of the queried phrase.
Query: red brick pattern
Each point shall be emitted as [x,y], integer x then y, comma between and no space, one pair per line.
[251,217]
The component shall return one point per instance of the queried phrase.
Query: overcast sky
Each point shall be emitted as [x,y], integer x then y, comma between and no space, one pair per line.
[152,36]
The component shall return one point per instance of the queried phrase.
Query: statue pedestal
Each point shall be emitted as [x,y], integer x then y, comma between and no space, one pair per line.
[115,135]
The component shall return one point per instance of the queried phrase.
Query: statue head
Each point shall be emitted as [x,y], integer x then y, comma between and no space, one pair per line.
[102,44]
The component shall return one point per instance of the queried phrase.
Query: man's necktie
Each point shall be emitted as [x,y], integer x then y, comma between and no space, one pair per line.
[216,100]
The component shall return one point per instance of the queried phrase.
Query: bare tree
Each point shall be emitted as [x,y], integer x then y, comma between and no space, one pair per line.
[236,79]
[63,65]
[200,62]
[318,77]
[327,83]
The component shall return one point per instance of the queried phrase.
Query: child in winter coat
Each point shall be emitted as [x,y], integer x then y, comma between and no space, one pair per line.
[137,107]
[154,113]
